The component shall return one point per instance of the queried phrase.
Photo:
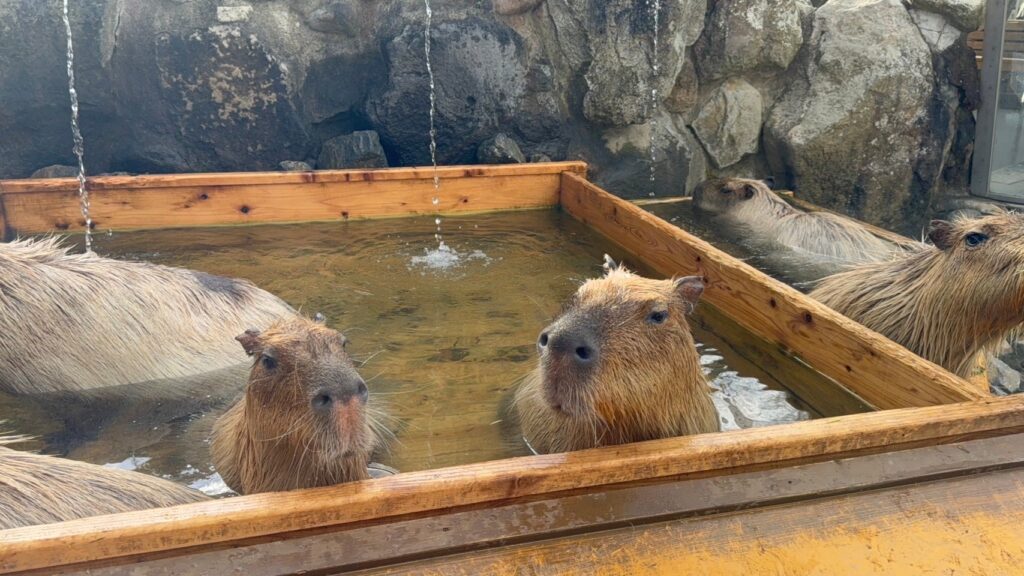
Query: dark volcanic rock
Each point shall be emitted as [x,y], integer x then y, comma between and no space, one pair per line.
[356,150]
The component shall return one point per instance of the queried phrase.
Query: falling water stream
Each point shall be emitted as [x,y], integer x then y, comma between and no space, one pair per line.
[433,130]
[76,134]
[655,75]
[443,257]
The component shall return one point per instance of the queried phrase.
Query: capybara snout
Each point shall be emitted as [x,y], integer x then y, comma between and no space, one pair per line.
[570,340]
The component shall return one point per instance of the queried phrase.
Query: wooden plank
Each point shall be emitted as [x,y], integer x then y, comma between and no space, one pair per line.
[166,207]
[4,235]
[271,178]
[871,366]
[959,525]
[707,455]
[447,533]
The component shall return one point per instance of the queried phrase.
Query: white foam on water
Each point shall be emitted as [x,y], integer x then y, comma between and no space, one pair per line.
[445,258]
[130,463]
[212,485]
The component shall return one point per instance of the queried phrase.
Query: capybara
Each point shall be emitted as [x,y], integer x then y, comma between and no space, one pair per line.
[754,205]
[618,365]
[949,301]
[80,321]
[304,418]
[36,489]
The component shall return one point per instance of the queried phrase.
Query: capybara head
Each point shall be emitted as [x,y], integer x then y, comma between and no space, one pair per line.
[946,302]
[724,194]
[304,419]
[618,365]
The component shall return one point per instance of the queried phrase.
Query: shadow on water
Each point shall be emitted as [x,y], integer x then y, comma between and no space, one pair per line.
[440,348]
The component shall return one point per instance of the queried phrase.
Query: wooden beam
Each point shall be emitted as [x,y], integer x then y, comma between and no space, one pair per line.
[874,368]
[966,522]
[207,179]
[235,520]
[3,222]
[394,542]
[125,203]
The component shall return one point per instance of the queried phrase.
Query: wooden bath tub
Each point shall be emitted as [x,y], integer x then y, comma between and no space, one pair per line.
[931,478]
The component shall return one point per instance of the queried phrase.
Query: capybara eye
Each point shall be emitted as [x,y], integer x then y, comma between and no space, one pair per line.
[975,239]
[657,317]
[726,191]
[268,362]
[543,339]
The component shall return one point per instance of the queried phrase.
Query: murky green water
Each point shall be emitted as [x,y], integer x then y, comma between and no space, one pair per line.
[442,347]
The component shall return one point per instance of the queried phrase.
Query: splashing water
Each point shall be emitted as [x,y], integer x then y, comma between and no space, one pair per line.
[445,258]
[655,75]
[76,134]
[433,131]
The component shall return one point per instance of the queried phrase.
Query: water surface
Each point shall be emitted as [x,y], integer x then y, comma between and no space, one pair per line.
[443,338]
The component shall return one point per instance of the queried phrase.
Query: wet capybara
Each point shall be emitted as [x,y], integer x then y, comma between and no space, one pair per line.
[618,365]
[754,205]
[304,418]
[949,301]
[36,489]
[81,321]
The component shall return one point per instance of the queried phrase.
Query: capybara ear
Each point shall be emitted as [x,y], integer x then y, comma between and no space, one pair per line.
[940,232]
[748,191]
[769,181]
[319,318]
[690,288]
[609,264]
[250,340]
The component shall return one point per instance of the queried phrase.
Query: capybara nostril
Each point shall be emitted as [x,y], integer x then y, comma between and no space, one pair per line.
[323,401]
[585,354]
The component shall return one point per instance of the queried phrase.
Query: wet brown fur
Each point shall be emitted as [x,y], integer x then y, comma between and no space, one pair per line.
[947,302]
[271,439]
[753,204]
[648,382]
[36,489]
[81,321]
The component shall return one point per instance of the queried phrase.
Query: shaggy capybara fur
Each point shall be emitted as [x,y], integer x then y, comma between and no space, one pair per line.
[36,489]
[81,321]
[618,365]
[947,302]
[304,418]
[754,205]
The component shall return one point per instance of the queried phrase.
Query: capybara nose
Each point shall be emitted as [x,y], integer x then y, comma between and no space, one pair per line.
[326,398]
[580,349]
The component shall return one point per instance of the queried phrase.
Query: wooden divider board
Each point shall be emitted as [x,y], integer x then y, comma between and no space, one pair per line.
[164,201]
[876,369]
[236,520]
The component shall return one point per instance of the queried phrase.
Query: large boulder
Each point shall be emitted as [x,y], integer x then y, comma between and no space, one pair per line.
[967,15]
[480,75]
[729,123]
[620,78]
[858,129]
[749,35]
[360,149]
[499,150]
[622,162]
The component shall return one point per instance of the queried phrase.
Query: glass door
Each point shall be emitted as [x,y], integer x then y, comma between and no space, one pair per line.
[999,149]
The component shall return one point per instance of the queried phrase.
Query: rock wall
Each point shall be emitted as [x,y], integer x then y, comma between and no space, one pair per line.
[860,105]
